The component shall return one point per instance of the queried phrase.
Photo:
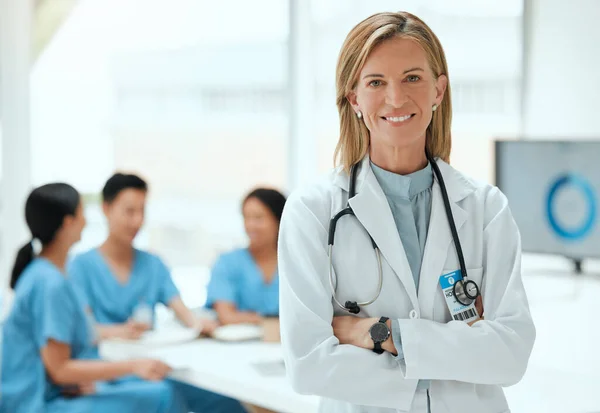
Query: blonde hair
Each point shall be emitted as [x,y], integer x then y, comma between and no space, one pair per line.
[353,143]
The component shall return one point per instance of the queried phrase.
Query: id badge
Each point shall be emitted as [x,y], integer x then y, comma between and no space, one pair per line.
[466,313]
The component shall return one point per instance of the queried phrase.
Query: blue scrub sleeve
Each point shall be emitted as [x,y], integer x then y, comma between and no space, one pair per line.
[222,286]
[168,290]
[55,314]
[77,275]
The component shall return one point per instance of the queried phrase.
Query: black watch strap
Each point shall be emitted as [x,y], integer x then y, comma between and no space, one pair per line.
[383,319]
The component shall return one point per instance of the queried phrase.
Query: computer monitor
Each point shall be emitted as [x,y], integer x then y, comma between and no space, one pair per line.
[553,190]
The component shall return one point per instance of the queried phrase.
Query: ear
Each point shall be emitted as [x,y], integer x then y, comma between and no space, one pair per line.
[353,101]
[440,88]
[68,220]
[105,208]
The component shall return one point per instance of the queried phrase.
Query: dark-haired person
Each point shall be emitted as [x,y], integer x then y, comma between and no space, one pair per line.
[49,359]
[122,284]
[244,284]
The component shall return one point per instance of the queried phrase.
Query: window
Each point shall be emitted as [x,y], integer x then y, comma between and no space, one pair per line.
[187,94]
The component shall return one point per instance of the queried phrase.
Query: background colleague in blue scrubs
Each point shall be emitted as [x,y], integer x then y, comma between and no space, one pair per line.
[244,285]
[122,285]
[49,360]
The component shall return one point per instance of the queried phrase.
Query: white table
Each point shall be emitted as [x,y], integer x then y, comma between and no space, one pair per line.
[226,368]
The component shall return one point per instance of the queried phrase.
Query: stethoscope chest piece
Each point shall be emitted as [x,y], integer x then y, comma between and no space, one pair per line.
[465,292]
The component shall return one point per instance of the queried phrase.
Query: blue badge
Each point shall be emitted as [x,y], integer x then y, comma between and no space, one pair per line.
[458,311]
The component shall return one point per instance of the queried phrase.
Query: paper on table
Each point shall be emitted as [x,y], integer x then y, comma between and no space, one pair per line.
[163,336]
[238,332]
[168,336]
[175,360]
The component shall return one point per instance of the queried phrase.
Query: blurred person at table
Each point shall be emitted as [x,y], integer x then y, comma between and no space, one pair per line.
[122,285]
[244,283]
[50,361]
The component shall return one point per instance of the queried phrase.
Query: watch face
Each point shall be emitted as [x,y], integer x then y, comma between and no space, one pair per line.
[379,332]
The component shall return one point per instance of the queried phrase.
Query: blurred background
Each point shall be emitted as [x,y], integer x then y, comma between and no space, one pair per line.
[207,99]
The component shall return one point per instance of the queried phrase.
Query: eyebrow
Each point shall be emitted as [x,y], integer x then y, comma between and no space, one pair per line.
[378,75]
[414,69]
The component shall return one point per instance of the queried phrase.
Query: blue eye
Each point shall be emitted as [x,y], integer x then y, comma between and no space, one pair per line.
[375,83]
[413,78]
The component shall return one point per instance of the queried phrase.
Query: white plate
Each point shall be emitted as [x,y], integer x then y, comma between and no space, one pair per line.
[238,332]
[169,336]
[163,337]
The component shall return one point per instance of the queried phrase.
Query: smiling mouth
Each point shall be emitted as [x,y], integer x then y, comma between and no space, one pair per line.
[397,119]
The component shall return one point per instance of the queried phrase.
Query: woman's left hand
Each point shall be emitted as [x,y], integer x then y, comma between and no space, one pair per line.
[353,330]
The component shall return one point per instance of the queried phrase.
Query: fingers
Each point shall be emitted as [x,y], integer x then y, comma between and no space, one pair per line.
[160,370]
[141,326]
[209,326]
[87,388]
[154,370]
[479,306]
[135,334]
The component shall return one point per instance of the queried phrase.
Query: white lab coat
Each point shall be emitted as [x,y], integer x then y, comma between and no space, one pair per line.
[468,366]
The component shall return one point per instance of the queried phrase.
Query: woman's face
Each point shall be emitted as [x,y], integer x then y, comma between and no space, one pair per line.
[395,92]
[261,225]
[73,225]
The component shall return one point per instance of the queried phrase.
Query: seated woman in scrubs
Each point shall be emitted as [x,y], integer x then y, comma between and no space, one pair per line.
[122,285]
[244,285]
[49,360]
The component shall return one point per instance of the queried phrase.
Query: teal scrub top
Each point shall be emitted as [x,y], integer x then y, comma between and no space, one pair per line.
[113,302]
[236,278]
[46,306]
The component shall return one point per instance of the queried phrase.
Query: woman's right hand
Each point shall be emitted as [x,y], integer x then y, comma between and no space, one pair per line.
[149,369]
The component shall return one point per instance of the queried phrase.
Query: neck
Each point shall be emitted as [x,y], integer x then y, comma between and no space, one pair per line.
[402,161]
[56,254]
[263,252]
[117,250]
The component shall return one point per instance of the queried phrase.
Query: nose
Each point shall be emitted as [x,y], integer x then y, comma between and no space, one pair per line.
[396,95]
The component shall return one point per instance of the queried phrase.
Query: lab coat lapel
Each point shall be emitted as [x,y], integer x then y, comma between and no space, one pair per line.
[373,211]
[439,238]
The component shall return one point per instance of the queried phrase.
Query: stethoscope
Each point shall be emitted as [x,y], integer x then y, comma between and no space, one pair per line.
[465,291]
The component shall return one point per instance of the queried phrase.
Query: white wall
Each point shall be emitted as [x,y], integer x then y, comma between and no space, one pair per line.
[562,80]
[15,175]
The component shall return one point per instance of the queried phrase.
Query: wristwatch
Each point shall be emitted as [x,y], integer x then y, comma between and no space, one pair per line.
[379,332]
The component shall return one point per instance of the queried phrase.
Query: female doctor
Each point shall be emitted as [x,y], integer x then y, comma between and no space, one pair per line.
[374,314]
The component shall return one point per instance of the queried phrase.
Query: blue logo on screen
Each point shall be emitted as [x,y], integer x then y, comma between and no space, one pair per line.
[580,183]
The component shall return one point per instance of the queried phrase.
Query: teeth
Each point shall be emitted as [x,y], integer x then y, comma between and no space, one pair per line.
[399,118]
